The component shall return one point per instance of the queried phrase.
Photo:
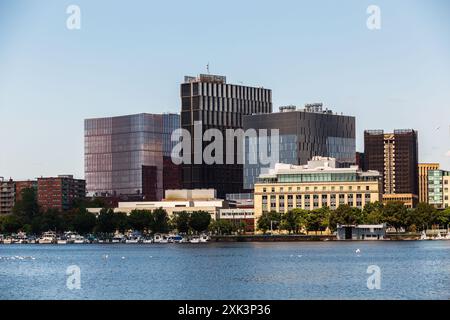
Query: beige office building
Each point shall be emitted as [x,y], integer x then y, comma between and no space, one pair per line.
[177,201]
[315,185]
[423,179]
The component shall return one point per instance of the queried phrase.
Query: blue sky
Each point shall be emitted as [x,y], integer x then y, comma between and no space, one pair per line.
[130,57]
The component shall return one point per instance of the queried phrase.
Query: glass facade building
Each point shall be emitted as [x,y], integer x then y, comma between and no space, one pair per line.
[303,134]
[126,155]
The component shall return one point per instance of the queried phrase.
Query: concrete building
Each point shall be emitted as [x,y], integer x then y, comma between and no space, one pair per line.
[315,185]
[178,201]
[395,156]
[312,131]
[7,196]
[438,188]
[59,192]
[361,232]
[212,103]
[423,179]
[131,156]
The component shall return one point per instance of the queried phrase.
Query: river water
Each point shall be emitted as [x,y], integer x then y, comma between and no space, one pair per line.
[301,270]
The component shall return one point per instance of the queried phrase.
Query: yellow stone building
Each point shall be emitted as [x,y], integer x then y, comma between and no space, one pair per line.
[318,184]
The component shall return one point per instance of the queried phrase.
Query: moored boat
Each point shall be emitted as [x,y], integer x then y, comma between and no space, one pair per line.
[48,237]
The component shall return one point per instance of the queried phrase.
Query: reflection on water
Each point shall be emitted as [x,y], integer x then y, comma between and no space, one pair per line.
[306,270]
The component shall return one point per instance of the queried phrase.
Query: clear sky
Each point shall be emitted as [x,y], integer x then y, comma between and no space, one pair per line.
[130,57]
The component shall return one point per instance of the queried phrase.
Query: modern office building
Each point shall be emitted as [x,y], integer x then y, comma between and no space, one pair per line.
[395,156]
[7,196]
[59,192]
[212,103]
[131,155]
[438,188]
[423,179]
[318,184]
[303,134]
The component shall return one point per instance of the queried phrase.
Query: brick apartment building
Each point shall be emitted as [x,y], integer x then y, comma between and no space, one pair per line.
[59,192]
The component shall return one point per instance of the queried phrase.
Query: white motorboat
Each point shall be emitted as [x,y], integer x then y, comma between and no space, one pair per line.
[133,240]
[8,240]
[194,240]
[61,241]
[147,241]
[204,238]
[48,237]
[160,238]
[79,240]
[75,238]
[118,238]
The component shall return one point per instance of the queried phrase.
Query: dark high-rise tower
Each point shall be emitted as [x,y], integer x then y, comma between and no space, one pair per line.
[210,100]
[395,156]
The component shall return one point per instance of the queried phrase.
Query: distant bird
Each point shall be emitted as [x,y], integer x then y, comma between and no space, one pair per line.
[105,256]
[358,251]
[123,258]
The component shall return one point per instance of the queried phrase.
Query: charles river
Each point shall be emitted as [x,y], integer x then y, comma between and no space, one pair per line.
[301,270]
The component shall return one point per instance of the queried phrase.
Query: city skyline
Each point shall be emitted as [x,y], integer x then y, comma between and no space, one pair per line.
[53,78]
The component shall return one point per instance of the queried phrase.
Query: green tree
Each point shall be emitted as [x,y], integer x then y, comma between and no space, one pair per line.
[346,215]
[181,221]
[221,227]
[105,221]
[84,222]
[423,215]
[10,224]
[263,222]
[373,213]
[395,214]
[199,221]
[290,221]
[443,217]
[50,220]
[318,220]
[160,221]
[140,220]
[27,208]
[121,221]
[269,221]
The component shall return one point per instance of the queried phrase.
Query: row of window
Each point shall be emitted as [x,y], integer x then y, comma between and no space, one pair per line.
[314,201]
[323,188]
[226,91]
